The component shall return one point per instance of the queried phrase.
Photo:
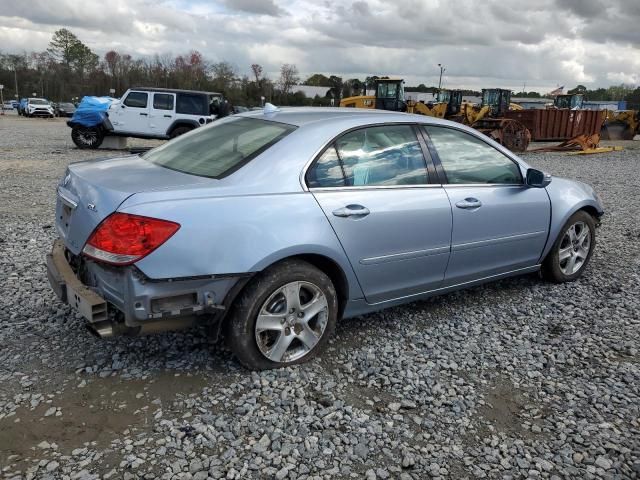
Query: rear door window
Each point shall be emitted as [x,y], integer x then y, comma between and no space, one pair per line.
[163,101]
[219,149]
[384,155]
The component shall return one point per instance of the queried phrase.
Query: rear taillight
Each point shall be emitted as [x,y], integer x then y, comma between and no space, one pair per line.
[122,239]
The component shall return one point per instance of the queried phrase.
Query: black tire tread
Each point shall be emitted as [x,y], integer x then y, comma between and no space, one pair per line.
[239,325]
[551,267]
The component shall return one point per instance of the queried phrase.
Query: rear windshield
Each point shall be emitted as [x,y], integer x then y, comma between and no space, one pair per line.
[220,149]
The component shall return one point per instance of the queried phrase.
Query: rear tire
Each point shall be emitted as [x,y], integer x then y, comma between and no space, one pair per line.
[176,132]
[297,307]
[572,250]
[87,137]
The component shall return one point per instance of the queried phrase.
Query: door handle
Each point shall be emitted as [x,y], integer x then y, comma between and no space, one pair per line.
[357,211]
[143,114]
[469,203]
[168,116]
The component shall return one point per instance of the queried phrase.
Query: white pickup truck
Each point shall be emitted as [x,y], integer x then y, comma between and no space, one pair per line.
[149,113]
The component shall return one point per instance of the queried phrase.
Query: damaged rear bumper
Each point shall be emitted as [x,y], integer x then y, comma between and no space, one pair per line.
[123,301]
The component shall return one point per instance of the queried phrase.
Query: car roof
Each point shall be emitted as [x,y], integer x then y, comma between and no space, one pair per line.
[308,116]
[172,90]
[302,116]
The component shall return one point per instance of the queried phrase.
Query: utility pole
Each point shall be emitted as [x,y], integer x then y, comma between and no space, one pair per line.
[442,69]
[15,77]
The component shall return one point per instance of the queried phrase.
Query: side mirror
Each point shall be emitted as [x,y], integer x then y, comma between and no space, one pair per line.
[537,178]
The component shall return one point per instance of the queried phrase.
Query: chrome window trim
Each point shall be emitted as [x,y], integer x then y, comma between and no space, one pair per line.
[374,187]
[429,185]
[462,185]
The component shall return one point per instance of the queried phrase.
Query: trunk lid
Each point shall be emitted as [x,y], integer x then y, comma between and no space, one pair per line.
[90,191]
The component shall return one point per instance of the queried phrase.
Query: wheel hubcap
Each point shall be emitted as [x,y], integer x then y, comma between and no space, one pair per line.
[291,322]
[574,248]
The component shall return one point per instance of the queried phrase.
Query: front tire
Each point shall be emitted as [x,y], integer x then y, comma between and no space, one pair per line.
[572,250]
[87,137]
[285,316]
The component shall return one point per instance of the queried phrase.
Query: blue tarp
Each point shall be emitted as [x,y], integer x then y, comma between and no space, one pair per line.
[91,111]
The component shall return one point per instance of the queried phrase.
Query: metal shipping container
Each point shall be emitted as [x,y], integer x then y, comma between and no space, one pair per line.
[558,125]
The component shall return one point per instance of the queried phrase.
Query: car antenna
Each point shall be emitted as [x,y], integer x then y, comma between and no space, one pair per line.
[270,108]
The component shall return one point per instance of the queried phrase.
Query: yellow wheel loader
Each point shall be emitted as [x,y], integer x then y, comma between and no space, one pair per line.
[620,125]
[390,96]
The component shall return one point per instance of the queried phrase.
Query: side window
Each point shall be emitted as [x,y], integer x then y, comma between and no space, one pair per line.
[327,171]
[136,100]
[384,155]
[192,104]
[467,159]
[163,101]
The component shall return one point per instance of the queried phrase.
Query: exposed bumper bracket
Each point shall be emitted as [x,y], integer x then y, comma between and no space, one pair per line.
[71,290]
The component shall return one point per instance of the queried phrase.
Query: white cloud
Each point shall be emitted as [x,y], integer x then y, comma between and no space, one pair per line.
[494,43]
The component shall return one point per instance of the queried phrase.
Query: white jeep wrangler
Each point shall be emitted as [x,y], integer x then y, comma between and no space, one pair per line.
[149,113]
[38,107]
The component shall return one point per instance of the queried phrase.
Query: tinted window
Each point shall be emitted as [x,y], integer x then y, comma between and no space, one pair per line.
[384,155]
[219,149]
[327,171]
[162,101]
[136,99]
[467,159]
[191,104]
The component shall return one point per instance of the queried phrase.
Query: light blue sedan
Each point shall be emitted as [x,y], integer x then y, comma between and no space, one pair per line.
[270,226]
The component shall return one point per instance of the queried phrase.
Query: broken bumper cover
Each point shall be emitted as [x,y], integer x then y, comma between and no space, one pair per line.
[104,292]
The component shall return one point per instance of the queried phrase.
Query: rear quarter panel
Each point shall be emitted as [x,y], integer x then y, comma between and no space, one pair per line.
[239,234]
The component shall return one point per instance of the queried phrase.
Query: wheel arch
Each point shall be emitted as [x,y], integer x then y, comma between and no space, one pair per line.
[587,206]
[324,263]
[182,123]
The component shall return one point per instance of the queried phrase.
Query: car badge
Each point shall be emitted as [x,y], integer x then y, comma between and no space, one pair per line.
[92,207]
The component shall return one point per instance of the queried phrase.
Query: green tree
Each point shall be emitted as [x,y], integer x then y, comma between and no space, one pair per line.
[579,89]
[318,80]
[64,47]
[84,59]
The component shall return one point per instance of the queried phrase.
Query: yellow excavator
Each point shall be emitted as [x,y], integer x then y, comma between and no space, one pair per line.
[487,117]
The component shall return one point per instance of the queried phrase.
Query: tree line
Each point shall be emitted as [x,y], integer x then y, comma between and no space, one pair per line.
[69,69]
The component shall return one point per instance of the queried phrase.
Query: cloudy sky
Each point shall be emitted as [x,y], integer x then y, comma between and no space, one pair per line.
[488,43]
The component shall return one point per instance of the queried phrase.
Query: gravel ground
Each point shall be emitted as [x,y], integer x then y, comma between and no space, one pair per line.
[517,379]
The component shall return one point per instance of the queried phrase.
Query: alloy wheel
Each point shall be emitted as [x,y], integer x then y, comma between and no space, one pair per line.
[574,248]
[291,321]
